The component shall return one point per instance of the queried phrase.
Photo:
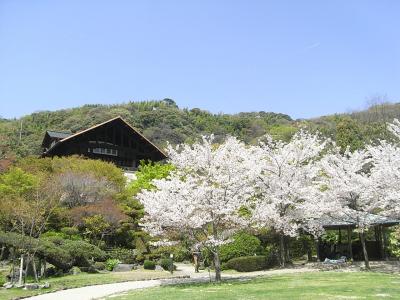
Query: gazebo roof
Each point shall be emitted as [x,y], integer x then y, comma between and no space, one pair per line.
[345,221]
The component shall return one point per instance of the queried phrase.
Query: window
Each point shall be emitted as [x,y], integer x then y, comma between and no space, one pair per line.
[105,151]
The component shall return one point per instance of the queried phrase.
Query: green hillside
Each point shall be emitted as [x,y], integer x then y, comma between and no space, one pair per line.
[163,121]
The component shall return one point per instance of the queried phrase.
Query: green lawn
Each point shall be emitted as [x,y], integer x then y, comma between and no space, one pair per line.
[318,285]
[84,279]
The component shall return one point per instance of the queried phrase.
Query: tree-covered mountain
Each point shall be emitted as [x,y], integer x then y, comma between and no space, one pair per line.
[163,121]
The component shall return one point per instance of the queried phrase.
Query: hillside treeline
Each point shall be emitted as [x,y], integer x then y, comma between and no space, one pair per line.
[163,121]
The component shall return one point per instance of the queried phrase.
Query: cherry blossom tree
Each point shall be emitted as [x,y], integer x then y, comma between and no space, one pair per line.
[385,177]
[202,197]
[349,187]
[288,199]
[385,172]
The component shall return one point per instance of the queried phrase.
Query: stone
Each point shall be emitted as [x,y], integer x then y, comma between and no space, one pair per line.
[123,268]
[75,271]
[8,285]
[46,285]
[159,268]
[31,286]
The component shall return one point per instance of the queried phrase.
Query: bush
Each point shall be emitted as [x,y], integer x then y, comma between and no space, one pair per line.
[111,263]
[149,265]
[126,256]
[165,263]
[243,244]
[394,241]
[99,265]
[2,280]
[247,263]
[81,252]
[180,253]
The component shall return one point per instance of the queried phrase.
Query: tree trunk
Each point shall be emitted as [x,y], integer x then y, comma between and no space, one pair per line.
[349,243]
[362,237]
[21,267]
[44,271]
[217,266]
[2,252]
[28,260]
[34,268]
[306,248]
[13,267]
[282,249]
[287,249]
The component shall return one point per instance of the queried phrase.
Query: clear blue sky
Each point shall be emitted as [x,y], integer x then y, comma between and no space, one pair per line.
[303,58]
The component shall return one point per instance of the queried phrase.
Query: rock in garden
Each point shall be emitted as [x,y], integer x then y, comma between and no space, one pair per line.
[8,285]
[46,285]
[75,271]
[123,268]
[31,286]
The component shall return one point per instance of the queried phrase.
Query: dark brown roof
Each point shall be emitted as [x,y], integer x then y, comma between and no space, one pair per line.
[58,134]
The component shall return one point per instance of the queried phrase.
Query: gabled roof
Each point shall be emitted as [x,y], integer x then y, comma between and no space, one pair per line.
[72,136]
[350,221]
[58,134]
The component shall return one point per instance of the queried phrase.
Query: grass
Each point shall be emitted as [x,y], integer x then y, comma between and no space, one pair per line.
[318,285]
[84,279]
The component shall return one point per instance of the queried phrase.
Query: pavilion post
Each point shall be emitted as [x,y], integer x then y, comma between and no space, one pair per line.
[385,252]
[349,243]
[318,244]
[379,239]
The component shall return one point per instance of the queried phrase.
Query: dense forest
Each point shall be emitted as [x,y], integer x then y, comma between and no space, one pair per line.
[163,121]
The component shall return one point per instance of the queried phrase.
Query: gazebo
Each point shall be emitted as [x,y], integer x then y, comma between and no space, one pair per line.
[348,223]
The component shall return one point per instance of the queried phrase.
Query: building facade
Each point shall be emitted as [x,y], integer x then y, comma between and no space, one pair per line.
[114,141]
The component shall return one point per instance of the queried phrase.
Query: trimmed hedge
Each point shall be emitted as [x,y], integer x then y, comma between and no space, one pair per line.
[247,263]
[243,244]
[149,265]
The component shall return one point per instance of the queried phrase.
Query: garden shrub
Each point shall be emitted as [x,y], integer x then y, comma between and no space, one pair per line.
[111,263]
[165,263]
[2,280]
[243,244]
[149,265]
[394,241]
[126,256]
[99,265]
[180,253]
[81,252]
[247,263]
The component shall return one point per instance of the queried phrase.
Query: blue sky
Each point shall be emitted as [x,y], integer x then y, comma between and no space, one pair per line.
[303,58]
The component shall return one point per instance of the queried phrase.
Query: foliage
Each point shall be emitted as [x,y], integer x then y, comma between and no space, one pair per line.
[126,256]
[394,241]
[146,173]
[166,263]
[149,265]
[111,263]
[243,244]
[158,120]
[99,265]
[248,263]
[181,253]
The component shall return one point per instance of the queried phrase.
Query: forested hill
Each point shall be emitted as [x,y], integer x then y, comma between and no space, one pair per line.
[163,121]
